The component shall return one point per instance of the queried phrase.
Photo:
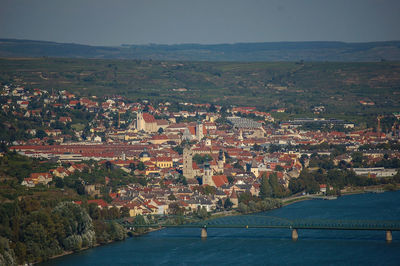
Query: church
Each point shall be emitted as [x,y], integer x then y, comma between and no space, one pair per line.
[146,122]
[210,175]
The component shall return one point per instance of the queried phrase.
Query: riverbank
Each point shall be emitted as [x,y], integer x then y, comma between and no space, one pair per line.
[231,246]
[291,200]
[285,202]
[65,253]
[133,233]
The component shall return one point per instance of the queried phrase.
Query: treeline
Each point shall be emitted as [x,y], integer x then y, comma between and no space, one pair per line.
[17,166]
[270,191]
[271,188]
[250,204]
[309,182]
[34,230]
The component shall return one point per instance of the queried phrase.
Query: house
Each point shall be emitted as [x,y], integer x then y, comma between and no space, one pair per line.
[164,162]
[24,105]
[219,180]
[158,139]
[65,119]
[322,188]
[37,178]
[60,172]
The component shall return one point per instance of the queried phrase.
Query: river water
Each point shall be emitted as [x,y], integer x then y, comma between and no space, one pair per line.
[184,246]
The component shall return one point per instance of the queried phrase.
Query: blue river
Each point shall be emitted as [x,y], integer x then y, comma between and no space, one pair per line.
[183,246]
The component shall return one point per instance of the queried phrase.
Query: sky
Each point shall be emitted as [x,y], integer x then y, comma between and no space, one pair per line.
[116,22]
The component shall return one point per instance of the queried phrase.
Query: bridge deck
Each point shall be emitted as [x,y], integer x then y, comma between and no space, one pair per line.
[261,221]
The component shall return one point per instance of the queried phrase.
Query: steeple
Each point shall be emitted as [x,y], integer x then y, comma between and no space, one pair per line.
[188,162]
[139,120]
[221,161]
[207,177]
[199,131]
[240,135]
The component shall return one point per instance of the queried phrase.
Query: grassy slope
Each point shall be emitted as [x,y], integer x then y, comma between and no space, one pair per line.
[338,86]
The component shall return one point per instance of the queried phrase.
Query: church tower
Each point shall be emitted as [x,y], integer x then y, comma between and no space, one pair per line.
[207,177]
[188,163]
[199,131]
[221,161]
[240,135]
[139,121]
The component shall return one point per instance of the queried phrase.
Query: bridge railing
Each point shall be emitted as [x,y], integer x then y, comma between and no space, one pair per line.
[263,221]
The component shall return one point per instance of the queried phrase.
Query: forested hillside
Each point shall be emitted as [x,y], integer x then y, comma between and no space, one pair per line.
[244,52]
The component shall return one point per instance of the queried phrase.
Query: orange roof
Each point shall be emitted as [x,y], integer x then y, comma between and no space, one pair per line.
[220,180]
[159,137]
[99,202]
[37,175]
[192,130]
[148,118]
[163,159]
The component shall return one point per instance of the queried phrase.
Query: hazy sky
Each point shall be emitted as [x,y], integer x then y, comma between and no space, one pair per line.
[115,22]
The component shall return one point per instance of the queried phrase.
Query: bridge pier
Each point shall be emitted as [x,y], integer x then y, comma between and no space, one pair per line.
[204,232]
[295,235]
[389,236]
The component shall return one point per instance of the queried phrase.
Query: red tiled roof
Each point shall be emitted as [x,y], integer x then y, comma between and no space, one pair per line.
[37,175]
[148,118]
[159,137]
[99,202]
[220,180]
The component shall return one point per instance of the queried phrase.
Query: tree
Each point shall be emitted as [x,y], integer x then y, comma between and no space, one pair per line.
[237,165]
[117,232]
[80,188]
[202,159]
[202,212]
[139,220]
[228,204]
[7,256]
[141,166]
[303,159]
[212,108]
[256,147]
[171,197]
[94,211]
[265,188]
[277,189]
[182,179]
[40,134]
[124,212]
[108,166]
[59,182]
[132,166]
[357,159]
[207,190]
[175,209]
[243,208]
[220,204]
[295,186]
[78,226]
[160,130]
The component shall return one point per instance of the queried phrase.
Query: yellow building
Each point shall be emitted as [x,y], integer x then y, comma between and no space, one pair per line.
[144,156]
[164,162]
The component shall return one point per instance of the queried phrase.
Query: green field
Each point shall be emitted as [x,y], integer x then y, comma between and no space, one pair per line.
[296,86]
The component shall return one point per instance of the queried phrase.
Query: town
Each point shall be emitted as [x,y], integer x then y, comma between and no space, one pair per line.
[174,158]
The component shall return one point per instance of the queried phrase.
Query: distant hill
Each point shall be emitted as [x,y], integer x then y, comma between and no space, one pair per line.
[345,89]
[242,52]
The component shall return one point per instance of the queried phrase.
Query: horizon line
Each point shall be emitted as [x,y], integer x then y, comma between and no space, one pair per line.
[204,44]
